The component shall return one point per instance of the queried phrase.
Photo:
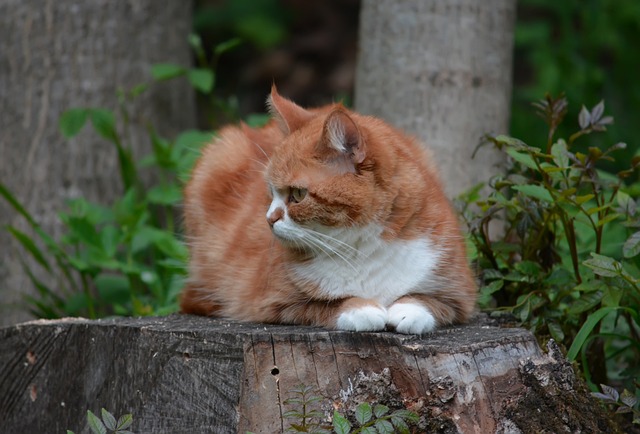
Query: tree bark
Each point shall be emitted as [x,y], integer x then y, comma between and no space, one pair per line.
[442,71]
[60,54]
[187,374]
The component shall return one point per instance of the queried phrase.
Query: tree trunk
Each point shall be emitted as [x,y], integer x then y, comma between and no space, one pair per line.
[186,374]
[442,71]
[60,54]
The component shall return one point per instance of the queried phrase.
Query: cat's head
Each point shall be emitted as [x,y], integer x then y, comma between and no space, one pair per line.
[320,177]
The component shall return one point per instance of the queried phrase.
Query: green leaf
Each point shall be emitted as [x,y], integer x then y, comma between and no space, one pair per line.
[30,247]
[124,421]
[560,154]
[400,425]
[363,413]
[202,79]
[582,199]
[407,415]
[631,247]
[384,427]
[603,265]
[166,71]
[523,159]
[555,331]
[292,414]
[72,121]
[165,194]
[628,398]
[95,423]
[502,139]
[16,205]
[584,118]
[529,268]
[608,218]
[108,419]
[612,295]
[587,301]
[340,424]
[109,238]
[625,202]
[597,209]
[585,331]
[535,191]
[226,46]
[380,410]
[85,231]
[105,124]
[113,288]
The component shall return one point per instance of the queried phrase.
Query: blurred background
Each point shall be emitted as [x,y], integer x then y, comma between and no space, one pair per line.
[588,49]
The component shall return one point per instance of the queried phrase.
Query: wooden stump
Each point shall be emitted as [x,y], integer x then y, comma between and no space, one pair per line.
[185,374]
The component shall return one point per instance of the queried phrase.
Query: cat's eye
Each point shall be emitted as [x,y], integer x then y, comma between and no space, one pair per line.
[297,194]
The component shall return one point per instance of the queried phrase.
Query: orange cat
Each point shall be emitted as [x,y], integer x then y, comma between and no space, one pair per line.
[324,217]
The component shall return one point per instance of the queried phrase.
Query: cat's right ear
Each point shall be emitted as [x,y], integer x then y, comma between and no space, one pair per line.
[341,136]
[288,114]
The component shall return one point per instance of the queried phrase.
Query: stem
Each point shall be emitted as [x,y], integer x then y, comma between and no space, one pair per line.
[573,248]
[632,327]
[86,290]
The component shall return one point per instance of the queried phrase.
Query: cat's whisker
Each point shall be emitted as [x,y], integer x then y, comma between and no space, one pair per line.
[262,163]
[313,244]
[337,241]
[261,150]
[328,250]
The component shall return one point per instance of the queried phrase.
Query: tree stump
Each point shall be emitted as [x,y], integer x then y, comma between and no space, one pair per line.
[186,374]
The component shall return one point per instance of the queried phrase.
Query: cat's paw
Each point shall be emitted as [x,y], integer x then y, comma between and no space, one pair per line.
[410,318]
[362,319]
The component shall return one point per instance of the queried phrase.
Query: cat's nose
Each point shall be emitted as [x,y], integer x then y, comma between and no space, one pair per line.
[274,216]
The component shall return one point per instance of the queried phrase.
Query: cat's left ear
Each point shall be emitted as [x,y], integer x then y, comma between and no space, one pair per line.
[341,133]
[289,115]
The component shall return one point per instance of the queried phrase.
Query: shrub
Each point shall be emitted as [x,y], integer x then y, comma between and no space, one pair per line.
[564,256]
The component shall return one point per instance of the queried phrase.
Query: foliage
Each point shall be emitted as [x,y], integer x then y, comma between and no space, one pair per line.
[586,48]
[370,420]
[623,403]
[108,423]
[126,258]
[563,255]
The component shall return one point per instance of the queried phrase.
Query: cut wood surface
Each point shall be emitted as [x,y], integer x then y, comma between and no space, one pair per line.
[186,374]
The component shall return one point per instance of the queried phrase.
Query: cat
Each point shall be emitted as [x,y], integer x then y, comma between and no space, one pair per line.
[323,217]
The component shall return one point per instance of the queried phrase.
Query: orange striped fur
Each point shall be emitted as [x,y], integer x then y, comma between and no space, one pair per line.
[323,217]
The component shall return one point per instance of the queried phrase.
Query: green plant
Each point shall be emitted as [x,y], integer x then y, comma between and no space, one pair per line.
[108,423]
[623,403]
[564,257]
[375,420]
[304,418]
[370,420]
[127,257]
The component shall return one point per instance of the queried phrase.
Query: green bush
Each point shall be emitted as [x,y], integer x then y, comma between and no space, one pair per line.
[126,258]
[564,256]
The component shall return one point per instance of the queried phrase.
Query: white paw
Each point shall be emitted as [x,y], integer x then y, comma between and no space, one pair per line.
[410,318]
[361,319]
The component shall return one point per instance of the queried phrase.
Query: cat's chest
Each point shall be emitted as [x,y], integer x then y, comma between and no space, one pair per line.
[384,271]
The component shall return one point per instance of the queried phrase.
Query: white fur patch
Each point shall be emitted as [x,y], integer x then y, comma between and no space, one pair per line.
[336,134]
[410,318]
[363,265]
[362,319]
[276,203]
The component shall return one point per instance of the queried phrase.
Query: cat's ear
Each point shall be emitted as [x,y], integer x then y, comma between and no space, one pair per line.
[289,115]
[340,133]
